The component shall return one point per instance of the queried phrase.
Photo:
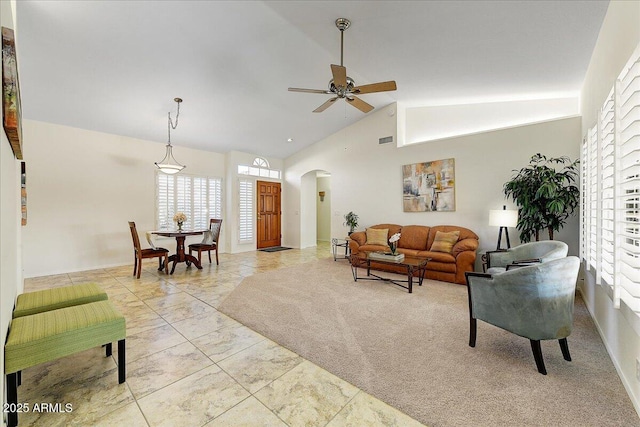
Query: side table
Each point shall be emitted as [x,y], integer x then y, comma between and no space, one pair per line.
[340,243]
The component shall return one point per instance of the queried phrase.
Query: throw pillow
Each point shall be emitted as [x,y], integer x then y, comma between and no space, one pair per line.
[150,240]
[377,236]
[444,241]
[208,238]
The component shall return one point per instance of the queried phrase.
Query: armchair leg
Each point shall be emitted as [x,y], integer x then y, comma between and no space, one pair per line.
[473,329]
[209,252]
[564,346]
[537,355]
[12,399]
[121,361]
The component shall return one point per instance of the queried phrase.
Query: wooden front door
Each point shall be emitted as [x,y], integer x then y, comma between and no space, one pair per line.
[268,214]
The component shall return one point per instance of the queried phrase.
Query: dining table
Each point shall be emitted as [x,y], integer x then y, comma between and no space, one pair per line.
[180,255]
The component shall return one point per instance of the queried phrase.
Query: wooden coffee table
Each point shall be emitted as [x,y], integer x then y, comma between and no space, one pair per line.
[411,264]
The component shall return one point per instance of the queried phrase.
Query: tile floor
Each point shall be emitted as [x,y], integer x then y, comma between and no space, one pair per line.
[190,365]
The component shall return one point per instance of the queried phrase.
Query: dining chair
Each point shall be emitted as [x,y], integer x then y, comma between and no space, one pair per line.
[209,242]
[140,254]
[534,302]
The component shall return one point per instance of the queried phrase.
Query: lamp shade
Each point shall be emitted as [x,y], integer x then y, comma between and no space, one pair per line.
[503,218]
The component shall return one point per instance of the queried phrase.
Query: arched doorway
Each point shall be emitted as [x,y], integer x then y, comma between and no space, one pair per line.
[315,214]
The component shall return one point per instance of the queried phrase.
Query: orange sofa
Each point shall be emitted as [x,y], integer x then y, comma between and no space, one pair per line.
[417,240]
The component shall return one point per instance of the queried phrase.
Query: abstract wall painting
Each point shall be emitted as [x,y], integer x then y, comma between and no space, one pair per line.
[429,186]
[11,114]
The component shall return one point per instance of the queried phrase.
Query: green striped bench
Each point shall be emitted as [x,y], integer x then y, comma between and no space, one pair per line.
[50,335]
[54,298]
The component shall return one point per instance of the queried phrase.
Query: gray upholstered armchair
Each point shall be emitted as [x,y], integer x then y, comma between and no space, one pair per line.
[535,302]
[527,253]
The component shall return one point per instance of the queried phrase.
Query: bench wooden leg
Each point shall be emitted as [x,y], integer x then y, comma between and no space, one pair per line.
[12,399]
[121,362]
[109,349]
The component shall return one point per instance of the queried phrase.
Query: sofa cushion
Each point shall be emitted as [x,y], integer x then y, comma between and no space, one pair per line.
[377,236]
[414,237]
[465,233]
[373,248]
[437,257]
[411,252]
[465,245]
[444,241]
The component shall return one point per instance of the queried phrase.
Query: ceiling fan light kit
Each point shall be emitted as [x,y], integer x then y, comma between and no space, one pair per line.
[169,164]
[343,86]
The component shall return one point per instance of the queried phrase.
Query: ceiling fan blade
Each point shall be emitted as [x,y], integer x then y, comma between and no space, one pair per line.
[339,75]
[326,105]
[297,89]
[360,104]
[375,87]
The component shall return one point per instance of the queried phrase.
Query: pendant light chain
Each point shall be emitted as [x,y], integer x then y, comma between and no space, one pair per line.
[170,125]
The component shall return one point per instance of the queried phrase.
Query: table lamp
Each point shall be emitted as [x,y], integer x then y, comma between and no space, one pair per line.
[504,219]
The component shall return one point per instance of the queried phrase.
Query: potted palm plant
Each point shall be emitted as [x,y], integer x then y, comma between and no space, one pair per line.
[351,221]
[546,197]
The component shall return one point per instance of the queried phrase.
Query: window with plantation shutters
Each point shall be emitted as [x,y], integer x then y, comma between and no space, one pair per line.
[628,162]
[246,210]
[610,221]
[199,198]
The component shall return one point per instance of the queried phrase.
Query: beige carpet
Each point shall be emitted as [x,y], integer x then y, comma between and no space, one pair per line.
[411,350]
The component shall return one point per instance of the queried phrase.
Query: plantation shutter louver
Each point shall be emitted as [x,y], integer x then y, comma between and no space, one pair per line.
[607,183]
[165,200]
[584,200]
[592,198]
[245,220]
[215,198]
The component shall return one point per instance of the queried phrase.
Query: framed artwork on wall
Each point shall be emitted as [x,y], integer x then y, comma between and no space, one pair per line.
[11,113]
[429,186]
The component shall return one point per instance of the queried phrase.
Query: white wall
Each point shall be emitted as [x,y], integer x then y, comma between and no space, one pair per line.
[619,36]
[11,283]
[84,186]
[324,209]
[437,122]
[367,176]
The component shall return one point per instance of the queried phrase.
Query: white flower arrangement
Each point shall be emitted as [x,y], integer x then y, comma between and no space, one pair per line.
[179,217]
[393,242]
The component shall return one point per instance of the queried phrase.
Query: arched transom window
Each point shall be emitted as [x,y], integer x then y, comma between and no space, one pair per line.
[259,167]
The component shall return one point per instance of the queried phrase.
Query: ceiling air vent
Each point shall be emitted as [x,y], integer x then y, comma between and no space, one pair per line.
[385,140]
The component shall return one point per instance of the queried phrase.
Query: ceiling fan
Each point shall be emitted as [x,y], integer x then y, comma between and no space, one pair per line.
[342,86]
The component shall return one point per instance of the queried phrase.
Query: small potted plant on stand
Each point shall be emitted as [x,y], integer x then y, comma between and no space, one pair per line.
[351,221]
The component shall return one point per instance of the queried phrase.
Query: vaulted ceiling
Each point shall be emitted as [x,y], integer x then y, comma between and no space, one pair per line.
[115,66]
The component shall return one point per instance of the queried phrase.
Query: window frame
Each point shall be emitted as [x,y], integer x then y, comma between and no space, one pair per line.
[192,204]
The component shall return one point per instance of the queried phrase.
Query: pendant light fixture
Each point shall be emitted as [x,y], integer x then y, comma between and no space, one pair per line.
[168,164]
